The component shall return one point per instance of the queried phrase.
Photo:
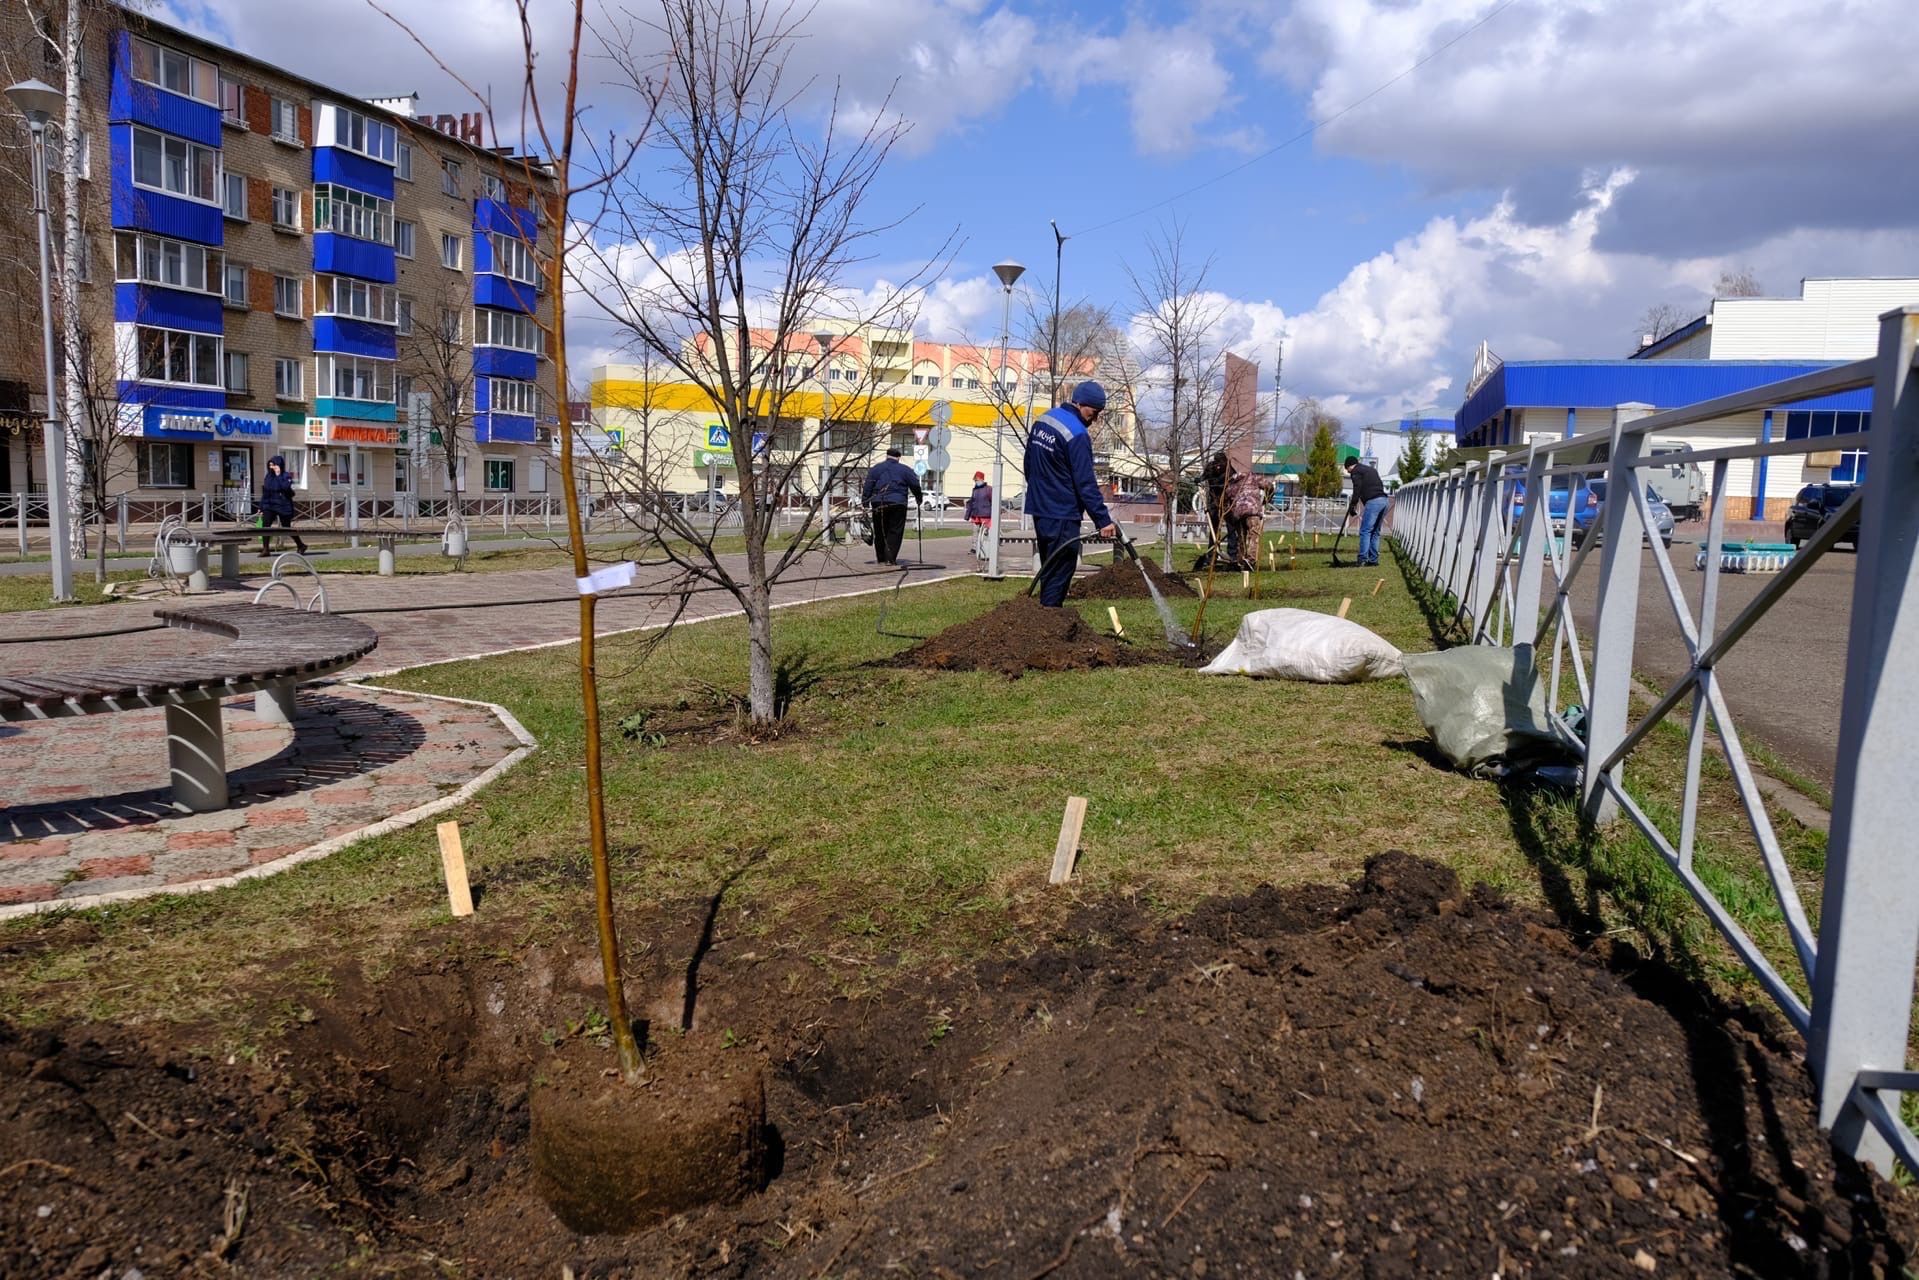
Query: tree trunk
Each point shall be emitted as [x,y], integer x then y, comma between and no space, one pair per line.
[100,562]
[759,630]
[73,389]
[1171,508]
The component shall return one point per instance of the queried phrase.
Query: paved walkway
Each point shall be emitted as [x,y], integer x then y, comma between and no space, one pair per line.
[84,810]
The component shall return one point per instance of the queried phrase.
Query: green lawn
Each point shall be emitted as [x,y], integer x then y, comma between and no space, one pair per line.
[915,811]
[19,594]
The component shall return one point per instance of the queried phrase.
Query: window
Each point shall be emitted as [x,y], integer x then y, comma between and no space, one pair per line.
[352,213]
[450,177]
[406,317]
[164,466]
[356,378]
[505,329]
[507,395]
[171,264]
[175,166]
[337,126]
[175,71]
[403,393]
[966,378]
[449,330]
[513,259]
[286,208]
[235,205]
[403,239]
[239,373]
[236,285]
[356,299]
[402,481]
[931,378]
[450,251]
[232,110]
[493,187]
[296,466]
[168,355]
[342,458]
[403,167]
[1852,462]
[286,378]
[286,297]
[497,474]
[286,122]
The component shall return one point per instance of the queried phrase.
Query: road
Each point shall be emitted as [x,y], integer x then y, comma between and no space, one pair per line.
[1784,681]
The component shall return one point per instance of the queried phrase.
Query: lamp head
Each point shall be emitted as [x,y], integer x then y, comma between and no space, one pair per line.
[1009,272]
[36,99]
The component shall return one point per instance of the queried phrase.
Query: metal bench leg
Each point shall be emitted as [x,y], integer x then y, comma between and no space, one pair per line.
[197,580]
[230,561]
[197,755]
[274,703]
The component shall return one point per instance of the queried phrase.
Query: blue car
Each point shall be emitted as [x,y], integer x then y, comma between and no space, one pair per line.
[1586,518]
[1562,492]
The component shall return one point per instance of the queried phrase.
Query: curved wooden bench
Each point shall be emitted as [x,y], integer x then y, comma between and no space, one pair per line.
[272,650]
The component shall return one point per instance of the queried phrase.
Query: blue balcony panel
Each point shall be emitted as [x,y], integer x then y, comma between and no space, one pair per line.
[507,295]
[354,338]
[167,308]
[345,256]
[501,362]
[351,169]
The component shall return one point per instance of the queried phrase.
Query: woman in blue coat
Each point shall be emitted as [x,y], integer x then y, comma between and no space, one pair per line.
[276,503]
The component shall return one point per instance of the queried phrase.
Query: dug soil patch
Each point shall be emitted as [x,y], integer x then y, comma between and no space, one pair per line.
[1121,580]
[1392,1078]
[1021,635]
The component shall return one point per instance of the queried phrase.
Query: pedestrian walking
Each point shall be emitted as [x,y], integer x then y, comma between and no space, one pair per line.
[276,503]
[1369,501]
[1060,486]
[885,491]
[979,510]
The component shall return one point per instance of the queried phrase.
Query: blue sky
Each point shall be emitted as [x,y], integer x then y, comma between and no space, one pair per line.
[1555,168]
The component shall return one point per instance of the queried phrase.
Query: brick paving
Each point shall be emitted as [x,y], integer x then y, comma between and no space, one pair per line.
[84,806]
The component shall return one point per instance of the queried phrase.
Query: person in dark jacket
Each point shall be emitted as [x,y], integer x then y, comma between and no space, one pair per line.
[1369,500]
[1060,485]
[979,510]
[886,488]
[276,503]
[1215,479]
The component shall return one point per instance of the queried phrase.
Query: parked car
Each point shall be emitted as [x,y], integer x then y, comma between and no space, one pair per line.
[1562,493]
[1814,505]
[1587,518]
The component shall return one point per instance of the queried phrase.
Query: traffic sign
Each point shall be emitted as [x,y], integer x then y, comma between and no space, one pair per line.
[942,412]
[919,434]
[939,437]
[759,443]
[939,459]
[717,437]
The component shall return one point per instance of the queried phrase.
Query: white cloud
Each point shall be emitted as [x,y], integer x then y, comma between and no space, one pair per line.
[1172,78]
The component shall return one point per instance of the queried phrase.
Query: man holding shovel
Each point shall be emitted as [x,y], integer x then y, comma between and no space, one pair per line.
[1369,501]
[1060,485]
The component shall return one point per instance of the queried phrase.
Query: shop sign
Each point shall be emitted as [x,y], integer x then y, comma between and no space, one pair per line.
[712,458]
[336,431]
[164,422]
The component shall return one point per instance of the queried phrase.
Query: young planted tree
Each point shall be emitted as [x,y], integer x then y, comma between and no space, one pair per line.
[1412,459]
[1322,478]
[1171,377]
[721,258]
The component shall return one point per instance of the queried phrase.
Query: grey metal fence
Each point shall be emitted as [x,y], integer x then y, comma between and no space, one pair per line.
[1460,532]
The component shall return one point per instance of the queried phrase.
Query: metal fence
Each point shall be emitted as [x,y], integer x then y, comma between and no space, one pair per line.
[1460,532]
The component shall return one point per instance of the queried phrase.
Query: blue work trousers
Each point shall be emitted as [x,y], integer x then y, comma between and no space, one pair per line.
[1058,557]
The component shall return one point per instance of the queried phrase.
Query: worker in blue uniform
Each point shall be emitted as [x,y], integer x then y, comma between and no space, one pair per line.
[1060,486]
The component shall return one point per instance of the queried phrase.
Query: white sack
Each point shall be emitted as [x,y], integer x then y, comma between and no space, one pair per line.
[1298,644]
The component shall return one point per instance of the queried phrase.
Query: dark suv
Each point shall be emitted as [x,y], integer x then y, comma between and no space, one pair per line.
[1813,507]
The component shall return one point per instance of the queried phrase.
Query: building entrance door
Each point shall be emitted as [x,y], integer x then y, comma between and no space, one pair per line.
[236,481]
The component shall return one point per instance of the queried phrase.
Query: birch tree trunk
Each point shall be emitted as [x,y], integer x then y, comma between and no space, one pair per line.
[73,384]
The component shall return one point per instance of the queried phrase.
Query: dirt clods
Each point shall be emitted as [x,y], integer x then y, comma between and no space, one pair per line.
[1121,580]
[1022,635]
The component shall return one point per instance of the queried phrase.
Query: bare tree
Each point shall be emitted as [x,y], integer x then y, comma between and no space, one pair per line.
[1738,282]
[1657,321]
[1172,377]
[436,357]
[725,265]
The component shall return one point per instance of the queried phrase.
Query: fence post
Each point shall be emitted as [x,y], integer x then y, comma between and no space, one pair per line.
[1616,611]
[206,511]
[1869,918]
[1532,552]
[120,521]
[1486,549]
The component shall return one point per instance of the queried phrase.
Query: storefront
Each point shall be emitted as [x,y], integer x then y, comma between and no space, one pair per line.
[202,450]
[350,455]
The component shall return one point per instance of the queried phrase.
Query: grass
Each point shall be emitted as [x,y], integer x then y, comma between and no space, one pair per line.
[913,812]
[19,594]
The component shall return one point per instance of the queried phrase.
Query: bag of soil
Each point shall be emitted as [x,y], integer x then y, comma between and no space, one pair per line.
[1483,707]
[1298,644]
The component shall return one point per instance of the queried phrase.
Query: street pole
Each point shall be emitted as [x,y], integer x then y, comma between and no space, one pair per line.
[37,100]
[1009,273]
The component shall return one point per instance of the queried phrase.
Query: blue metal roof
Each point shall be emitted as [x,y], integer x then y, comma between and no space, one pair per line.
[1601,384]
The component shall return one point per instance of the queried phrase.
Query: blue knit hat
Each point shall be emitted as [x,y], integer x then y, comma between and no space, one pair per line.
[1090,394]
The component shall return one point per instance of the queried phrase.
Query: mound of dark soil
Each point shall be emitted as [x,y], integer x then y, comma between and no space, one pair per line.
[1394,1078]
[1022,635]
[1121,580]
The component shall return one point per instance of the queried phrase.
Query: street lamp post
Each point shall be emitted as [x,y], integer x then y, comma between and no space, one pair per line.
[1009,273]
[38,101]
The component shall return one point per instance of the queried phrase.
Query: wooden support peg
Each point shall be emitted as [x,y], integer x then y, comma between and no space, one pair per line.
[1344,605]
[459,895]
[1067,850]
[1245,580]
[1118,630]
[1377,586]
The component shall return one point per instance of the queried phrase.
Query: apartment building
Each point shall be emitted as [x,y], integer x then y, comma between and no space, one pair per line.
[279,268]
[868,387]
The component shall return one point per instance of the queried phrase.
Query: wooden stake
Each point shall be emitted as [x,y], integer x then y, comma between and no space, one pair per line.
[1245,580]
[1118,630]
[1344,605]
[1315,539]
[453,858]
[1378,585]
[1067,849]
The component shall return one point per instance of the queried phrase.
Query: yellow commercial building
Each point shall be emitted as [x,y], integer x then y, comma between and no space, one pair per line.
[875,389]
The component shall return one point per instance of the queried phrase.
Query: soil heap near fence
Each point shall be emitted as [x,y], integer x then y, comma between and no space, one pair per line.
[1392,1078]
[1023,635]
